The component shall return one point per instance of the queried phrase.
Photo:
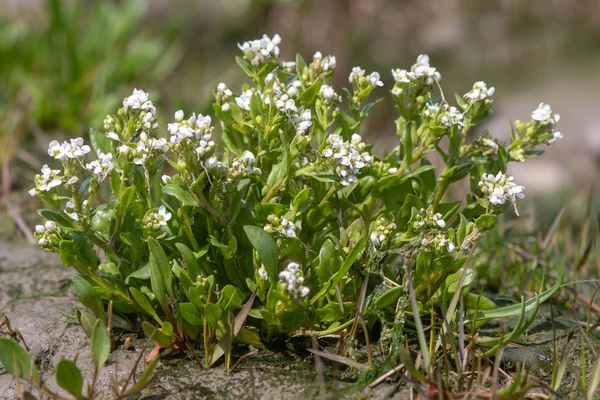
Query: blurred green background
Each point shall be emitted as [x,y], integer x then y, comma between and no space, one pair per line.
[65,64]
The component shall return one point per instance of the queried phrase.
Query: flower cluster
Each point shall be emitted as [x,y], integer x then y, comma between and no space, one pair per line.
[48,179]
[329,95]
[293,279]
[140,104]
[544,116]
[244,164]
[427,219]
[101,167]
[43,232]
[443,115]
[500,188]
[349,156]
[420,71]
[196,130]
[223,94]
[357,78]
[480,92]
[381,232]
[158,219]
[325,64]
[74,149]
[262,50]
[281,226]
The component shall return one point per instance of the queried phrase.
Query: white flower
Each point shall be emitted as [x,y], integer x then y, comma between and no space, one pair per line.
[479,92]
[348,156]
[262,273]
[374,79]
[48,179]
[261,50]
[329,63]
[68,150]
[402,75]
[101,167]
[196,131]
[375,240]
[179,116]
[543,114]
[448,116]
[500,189]
[162,216]
[422,70]
[356,73]
[222,89]
[225,107]
[113,136]
[437,218]
[293,278]
[329,95]
[243,100]
[556,135]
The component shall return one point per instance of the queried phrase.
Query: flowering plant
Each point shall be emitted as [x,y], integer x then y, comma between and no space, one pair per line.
[285,217]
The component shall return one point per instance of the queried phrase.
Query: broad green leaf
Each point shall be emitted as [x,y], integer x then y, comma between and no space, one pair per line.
[212,313]
[57,217]
[157,336]
[309,95]
[100,143]
[88,297]
[100,344]
[12,355]
[245,65]
[304,199]
[485,222]
[348,262]
[160,268]
[191,263]
[190,313]
[125,200]
[68,377]
[142,300]
[184,195]
[231,298]
[266,247]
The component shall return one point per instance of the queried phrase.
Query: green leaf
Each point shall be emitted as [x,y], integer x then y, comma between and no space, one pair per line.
[142,300]
[238,324]
[245,65]
[485,222]
[100,344]
[304,199]
[191,263]
[348,262]
[160,267]
[125,200]
[157,336]
[12,355]
[310,94]
[190,313]
[389,297]
[184,195]
[100,143]
[68,377]
[514,310]
[56,217]
[212,313]
[88,296]
[231,298]
[266,247]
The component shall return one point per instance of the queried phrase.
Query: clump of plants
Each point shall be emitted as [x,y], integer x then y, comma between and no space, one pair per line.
[273,218]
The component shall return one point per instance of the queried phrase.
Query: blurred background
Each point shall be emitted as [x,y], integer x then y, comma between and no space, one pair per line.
[65,64]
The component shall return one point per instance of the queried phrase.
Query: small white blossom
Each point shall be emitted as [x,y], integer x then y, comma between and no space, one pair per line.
[101,167]
[375,80]
[543,114]
[294,279]
[68,150]
[356,73]
[349,156]
[329,95]
[500,189]
[402,75]
[162,216]
[262,273]
[243,100]
[261,50]
[480,92]
[422,70]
